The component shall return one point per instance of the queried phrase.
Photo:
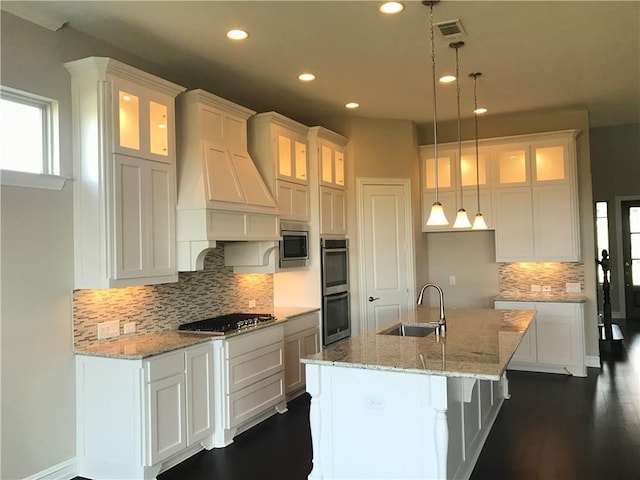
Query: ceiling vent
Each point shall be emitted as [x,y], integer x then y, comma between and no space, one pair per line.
[451,29]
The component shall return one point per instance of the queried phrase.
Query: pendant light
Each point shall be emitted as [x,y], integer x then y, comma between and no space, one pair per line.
[462,220]
[437,216]
[478,222]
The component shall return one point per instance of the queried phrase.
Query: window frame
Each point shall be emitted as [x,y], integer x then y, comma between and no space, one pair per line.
[50,177]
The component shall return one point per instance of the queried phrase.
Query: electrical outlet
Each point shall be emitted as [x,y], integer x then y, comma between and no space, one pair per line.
[573,287]
[546,288]
[535,288]
[452,279]
[252,304]
[130,327]
[108,329]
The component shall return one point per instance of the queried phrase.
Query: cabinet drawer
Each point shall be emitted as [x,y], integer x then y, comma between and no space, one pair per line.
[253,366]
[251,401]
[556,309]
[300,323]
[249,342]
[163,366]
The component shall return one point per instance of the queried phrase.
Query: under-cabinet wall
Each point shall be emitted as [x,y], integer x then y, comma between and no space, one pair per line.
[216,290]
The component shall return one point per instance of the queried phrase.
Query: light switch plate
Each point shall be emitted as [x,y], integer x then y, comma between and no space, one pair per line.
[108,329]
[129,327]
[546,288]
[535,288]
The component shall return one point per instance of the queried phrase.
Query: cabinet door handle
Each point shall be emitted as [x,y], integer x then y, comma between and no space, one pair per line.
[371,299]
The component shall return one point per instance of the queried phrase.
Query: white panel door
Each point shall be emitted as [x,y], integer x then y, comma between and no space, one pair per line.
[166,418]
[554,224]
[130,232]
[513,217]
[199,393]
[386,259]
[161,219]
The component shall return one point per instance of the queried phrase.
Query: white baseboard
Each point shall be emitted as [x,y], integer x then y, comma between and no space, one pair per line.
[62,471]
[592,361]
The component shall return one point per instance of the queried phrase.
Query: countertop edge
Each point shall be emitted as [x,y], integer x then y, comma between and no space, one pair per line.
[541,298]
[416,371]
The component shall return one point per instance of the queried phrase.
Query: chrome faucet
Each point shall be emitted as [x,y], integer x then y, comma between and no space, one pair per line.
[442,324]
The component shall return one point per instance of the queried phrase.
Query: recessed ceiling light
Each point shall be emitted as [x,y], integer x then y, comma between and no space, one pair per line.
[391,7]
[237,34]
[306,77]
[352,105]
[480,110]
[447,79]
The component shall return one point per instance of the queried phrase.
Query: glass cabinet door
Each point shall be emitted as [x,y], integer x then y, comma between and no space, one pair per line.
[445,171]
[128,120]
[158,129]
[301,161]
[285,166]
[468,175]
[512,166]
[549,163]
[339,168]
[143,123]
[292,159]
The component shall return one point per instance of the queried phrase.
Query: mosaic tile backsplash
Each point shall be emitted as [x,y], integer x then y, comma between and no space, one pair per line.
[216,290]
[517,278]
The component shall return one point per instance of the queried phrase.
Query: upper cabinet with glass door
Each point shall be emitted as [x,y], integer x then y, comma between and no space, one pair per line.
[331,157]
[143,122]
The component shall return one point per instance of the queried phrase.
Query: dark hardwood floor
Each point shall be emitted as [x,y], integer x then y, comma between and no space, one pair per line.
[554,427]
[568,428]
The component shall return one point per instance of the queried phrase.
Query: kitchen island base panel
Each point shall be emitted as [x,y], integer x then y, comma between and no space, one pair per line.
[374,424]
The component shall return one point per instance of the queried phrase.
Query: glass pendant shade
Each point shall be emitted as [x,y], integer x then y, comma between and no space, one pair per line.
[479,223]
[437,216]
[462,219]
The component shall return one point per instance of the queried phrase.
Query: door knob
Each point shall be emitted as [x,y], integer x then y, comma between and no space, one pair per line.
[371,299]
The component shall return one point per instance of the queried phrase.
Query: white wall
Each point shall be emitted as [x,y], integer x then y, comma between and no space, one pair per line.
[37,369]
[471,258]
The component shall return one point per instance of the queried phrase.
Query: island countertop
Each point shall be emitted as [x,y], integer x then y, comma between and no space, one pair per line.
[479,343]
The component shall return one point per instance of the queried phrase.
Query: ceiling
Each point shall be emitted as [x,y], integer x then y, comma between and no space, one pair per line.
[532,55]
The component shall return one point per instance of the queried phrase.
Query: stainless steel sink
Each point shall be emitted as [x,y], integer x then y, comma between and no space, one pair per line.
[402,330]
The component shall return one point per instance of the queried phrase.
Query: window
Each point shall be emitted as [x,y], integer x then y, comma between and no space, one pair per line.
[28,139]
[602,233]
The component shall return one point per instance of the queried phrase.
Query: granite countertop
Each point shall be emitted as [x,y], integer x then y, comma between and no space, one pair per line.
[479,343]
[542,297]
[145,345]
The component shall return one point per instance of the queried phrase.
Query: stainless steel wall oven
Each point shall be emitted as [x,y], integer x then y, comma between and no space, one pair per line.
[336,323]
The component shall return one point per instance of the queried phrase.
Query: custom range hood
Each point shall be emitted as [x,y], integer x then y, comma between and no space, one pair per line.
[221,195]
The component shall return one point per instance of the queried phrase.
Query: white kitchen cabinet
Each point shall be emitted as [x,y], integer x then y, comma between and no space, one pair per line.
[279,146]
[536,199]
[333,215]
[301,338]
[556,338]
[249,376]
[124,168]
[527,192]
[136,417]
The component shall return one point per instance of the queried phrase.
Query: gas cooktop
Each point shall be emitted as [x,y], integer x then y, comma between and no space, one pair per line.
[227,323]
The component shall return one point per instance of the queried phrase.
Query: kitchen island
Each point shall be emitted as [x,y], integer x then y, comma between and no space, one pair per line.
[394,407]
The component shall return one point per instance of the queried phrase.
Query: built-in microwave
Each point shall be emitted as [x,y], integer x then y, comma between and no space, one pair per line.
[294,245]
